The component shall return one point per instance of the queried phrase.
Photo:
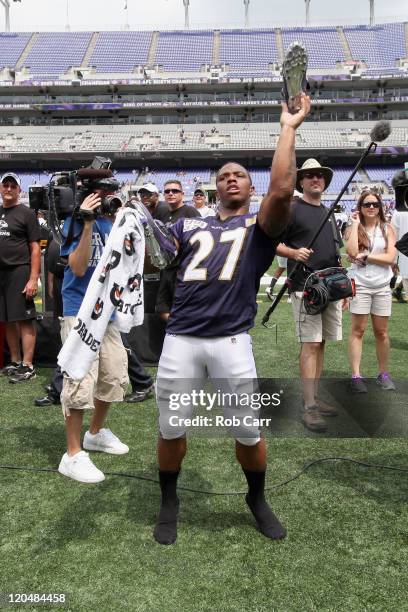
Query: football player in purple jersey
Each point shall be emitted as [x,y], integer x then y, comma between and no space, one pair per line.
[221,261]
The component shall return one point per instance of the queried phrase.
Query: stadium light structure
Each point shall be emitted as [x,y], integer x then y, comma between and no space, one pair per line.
[6,4]
[371,12]
[307,12]
[125,8]
[67,26]
[246,3]
[186,15]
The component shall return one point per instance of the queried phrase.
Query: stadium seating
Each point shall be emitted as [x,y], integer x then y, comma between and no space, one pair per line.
[182,51]
[46,56]
[189,178]
[11,47]
[120,51]
[340,177]
[378,46]
[382,174]
[248,50]
[323,45]
[247,53]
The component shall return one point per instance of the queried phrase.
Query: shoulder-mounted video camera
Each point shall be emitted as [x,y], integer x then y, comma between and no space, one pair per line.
[64,194]
[66,191]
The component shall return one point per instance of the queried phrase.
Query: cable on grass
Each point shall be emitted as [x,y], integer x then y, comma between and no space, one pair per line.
[227,493]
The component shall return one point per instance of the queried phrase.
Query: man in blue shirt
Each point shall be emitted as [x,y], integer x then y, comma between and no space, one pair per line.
[107,378]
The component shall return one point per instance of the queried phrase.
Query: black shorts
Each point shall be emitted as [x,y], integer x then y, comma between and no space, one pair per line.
[13,304]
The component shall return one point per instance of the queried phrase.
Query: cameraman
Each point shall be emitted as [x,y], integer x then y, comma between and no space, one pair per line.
[107,378]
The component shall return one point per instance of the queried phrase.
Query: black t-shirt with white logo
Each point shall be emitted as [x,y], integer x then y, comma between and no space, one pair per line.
[304,220]
[18,227]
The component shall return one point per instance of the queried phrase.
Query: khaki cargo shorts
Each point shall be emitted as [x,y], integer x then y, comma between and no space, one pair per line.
[106,380]
[315,328]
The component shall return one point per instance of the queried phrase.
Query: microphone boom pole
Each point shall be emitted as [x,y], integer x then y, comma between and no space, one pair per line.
[370,148]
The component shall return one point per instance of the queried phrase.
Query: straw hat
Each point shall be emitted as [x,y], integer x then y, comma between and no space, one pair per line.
[312,164]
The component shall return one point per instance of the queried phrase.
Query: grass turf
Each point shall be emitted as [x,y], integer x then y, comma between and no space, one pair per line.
[347,538]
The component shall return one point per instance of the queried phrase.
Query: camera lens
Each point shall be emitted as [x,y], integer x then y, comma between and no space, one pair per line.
[110,204]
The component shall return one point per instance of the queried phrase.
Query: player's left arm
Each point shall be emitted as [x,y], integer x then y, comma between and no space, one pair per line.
[273,215]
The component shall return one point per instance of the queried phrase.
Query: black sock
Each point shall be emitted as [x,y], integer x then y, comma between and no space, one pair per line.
[165,531]
[273,283]
[266,520]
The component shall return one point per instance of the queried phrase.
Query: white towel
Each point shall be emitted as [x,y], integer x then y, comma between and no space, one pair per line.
[116,284]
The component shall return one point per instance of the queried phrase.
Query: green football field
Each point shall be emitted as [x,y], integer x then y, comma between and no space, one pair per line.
[347,543]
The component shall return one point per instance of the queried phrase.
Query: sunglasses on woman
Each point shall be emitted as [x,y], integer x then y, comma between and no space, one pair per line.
[370,205]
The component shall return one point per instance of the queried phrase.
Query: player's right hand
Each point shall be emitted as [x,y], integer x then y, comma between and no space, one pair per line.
[295,120]
[303,254]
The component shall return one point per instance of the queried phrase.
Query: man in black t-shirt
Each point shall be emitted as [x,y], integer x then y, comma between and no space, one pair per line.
[173,195]
[307,213]
[149,197]
[20,263]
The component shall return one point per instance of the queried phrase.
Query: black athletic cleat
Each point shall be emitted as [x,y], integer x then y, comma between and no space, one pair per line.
[294,76]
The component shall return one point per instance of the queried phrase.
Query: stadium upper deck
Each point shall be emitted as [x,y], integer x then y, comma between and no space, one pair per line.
[191,97]
[357,49]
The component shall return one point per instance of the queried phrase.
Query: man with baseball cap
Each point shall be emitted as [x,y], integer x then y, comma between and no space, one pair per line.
[200,203]
[307,212]
[20,263]
[149,196]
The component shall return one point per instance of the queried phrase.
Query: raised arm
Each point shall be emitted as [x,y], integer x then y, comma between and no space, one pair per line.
[274,212]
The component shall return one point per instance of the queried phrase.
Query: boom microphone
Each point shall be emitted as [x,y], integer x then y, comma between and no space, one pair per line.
[94,174]
[380,131]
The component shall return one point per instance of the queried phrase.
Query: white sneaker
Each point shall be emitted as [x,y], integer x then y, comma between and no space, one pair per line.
[105,442]
[80,467]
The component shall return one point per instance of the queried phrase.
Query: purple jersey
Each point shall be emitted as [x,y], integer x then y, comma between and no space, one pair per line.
[221,264]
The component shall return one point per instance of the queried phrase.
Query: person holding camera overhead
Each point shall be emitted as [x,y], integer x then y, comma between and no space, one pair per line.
[370,247]
[107,379]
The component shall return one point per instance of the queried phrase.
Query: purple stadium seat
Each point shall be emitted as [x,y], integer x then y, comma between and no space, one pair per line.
[322,44]
[55,52]
[183,51]
[378,46]
[11,47]
[251,50]
[121,51]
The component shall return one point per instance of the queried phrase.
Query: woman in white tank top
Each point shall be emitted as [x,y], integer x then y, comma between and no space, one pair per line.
[370,247]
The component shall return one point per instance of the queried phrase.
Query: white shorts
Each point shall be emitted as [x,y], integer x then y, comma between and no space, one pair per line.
[187,362]
[369,300]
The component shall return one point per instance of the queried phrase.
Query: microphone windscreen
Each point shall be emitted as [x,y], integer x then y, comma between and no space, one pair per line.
[399,178]
[380,131]
[94,173]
